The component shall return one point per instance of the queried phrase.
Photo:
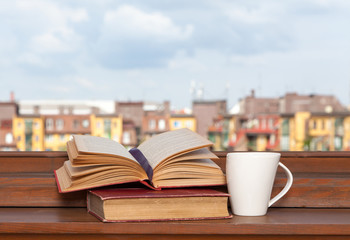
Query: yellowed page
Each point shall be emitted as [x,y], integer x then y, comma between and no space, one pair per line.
[99,145]
[202,153]
[170,144]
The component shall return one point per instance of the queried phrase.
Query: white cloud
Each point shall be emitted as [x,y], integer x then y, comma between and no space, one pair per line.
[58,40]
[83,82]
[79,15]
[249,60]
[32,59]
[248,16]
[183,61]
[130,21]
[50,27]
[59,89]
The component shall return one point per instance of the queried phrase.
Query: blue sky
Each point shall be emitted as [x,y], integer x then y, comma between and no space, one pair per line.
[156,50]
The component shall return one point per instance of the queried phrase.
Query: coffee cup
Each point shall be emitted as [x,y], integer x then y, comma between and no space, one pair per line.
[250,177]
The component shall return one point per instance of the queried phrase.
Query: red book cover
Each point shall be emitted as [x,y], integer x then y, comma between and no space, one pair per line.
[158,209]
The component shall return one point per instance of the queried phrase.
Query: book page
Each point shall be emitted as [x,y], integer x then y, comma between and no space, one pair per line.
[197,154]
[170,144]
[100,145]
[202,153]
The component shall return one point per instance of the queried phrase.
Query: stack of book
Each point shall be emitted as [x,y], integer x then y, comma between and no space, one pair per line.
[175,166]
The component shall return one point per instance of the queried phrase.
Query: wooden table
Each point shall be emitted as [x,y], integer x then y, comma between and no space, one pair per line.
[74,223]
[317,206]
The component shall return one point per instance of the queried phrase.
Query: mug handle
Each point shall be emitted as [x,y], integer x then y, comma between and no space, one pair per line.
[286,188]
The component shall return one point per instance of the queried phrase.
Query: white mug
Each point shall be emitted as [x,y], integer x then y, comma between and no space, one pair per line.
[250,177]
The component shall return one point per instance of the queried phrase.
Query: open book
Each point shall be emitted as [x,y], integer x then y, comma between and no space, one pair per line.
[179,158]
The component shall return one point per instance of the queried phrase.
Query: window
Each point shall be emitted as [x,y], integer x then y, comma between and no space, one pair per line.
[28,125]
[152,124]
[62,138]
[189,124]
[272,139]
[270,123]
[85,123]
[177,124]
[36,125]
[19,138]
[107,125]
[285,143]
[161,124]
[338,143]
[98,124]
[49,138]
[263,123]
[49,124]
[36,138]
[323,126]
[234,137]
[256,123]
[329,124]
[76,123]
[59,124]
[9,138]
[126,138]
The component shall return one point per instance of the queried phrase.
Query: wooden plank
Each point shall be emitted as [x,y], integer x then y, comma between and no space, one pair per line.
[163,236]
[278,221]
[306,162]
[295,161]
[38,190]
[307,191]
[314,190]
[27,162]
[26,179]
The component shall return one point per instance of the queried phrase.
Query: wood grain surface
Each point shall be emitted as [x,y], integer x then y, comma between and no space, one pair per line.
[316,207]
[278,221]
[321,179]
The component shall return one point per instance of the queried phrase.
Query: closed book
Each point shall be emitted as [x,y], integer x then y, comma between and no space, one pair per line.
[139,204]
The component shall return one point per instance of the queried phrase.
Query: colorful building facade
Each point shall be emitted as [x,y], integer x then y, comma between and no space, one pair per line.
[28,132]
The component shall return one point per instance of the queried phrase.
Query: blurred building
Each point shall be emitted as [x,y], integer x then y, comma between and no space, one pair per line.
[206,112]
[156,118]
[307,131]
[289,123]
[178,121]
[132,115]
[255,124]
[7,111]
[107,125]
[28,131]
[293,102]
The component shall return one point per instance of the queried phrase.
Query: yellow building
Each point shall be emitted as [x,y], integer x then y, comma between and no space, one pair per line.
[108,126]
[56,142]
[294,131]
[346,142]
[321,132]
[232,130]
[315,132]
[28,132]
[178,121]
